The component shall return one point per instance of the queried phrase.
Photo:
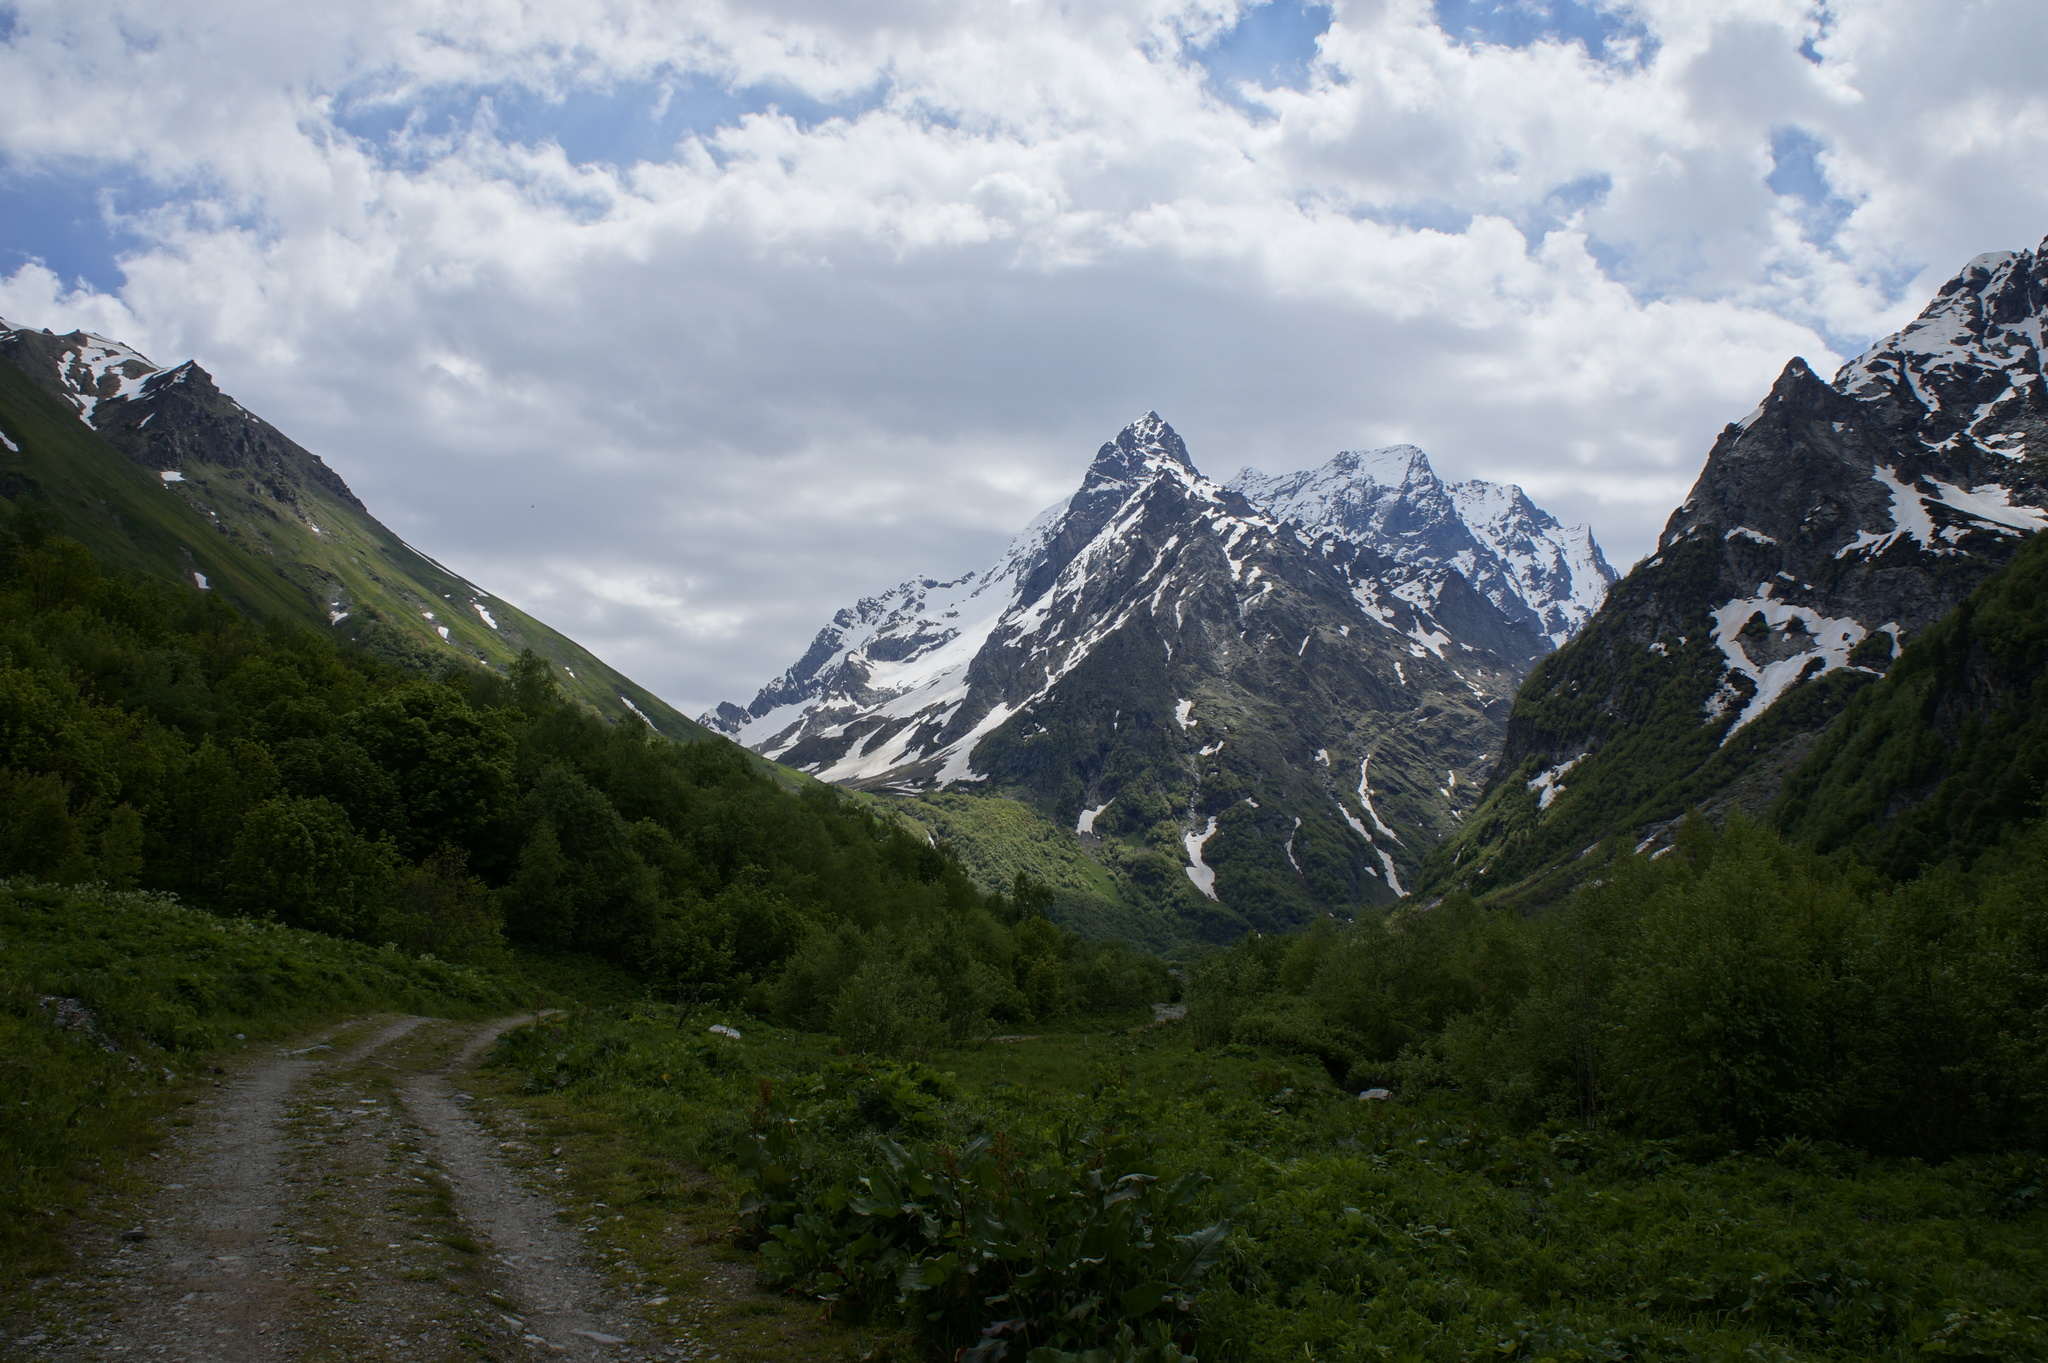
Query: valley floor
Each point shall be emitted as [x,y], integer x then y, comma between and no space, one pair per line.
[364,1193]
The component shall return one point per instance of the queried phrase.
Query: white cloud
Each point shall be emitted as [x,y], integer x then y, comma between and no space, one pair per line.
[892,270]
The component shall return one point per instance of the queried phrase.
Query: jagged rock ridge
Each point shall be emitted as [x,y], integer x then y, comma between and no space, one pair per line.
[1828,526]
[1419,531]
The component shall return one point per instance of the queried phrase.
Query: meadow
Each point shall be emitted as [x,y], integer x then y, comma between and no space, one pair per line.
[1114,1189]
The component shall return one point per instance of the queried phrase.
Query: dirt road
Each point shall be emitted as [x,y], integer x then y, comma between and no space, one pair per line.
[337,1202]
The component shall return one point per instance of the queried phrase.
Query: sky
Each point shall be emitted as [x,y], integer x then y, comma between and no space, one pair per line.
[682,325]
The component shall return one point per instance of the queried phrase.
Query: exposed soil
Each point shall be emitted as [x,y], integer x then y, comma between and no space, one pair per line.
[338,1201]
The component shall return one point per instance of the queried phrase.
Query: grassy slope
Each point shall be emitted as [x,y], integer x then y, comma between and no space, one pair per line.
[995,838]
[1948,752]
[269,562]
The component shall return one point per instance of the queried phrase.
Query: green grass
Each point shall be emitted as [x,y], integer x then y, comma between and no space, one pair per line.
[995,838]
[166,991]
[1384,1230]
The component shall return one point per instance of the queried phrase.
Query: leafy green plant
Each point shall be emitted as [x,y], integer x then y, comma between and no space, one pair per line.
[1068,1255]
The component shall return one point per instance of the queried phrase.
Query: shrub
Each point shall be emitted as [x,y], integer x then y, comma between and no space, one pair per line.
[1051,1256]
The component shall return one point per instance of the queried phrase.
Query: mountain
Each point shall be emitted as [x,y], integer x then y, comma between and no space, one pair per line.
[1399,529]
[1828,527]
[161,472]
[1946,756]
[1245,728]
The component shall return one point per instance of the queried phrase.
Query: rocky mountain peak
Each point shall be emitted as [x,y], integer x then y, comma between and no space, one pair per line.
[175,419]
[1249,724]
[1389,504]
[79,367]
[1969,367]
[1827,528]
[1141,450]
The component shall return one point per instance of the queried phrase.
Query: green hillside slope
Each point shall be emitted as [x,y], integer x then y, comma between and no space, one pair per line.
[249,513]
[1947,754]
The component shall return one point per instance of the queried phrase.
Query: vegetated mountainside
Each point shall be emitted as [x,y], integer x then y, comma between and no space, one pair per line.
[1828,528]
[163,473]
[1246,729]
[152,736]
[1948,754]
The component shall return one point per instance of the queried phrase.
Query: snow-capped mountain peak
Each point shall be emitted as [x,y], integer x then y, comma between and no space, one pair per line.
[1970,365]
[1144,449]
[1163,651]
[1545,576]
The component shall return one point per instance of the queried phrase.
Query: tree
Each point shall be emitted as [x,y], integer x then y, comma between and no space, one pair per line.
[301,861]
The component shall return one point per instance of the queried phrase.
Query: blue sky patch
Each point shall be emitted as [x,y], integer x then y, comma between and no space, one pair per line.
[71,222]
[617,125]
[1561,205]
[1796,174]
[1609,34]
[1809,46]
[1271,46]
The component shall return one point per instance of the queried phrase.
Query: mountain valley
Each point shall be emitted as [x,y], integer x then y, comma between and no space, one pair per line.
[1252,703]
[1262,961]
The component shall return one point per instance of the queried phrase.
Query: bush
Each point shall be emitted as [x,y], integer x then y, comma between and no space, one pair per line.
[1048,1257]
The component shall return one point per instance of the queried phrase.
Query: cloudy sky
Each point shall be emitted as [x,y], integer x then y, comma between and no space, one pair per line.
[682,324]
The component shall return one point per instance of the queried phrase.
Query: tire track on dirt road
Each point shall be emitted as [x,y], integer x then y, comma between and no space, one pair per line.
[337,1203]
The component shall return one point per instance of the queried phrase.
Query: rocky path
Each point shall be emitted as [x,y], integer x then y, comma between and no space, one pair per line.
[338,1202]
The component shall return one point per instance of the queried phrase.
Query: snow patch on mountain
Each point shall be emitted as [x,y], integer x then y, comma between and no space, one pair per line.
[1817,646]
[1547,785]
[1393,875]
[1086,823]
[1200,872]
[97,370]
[1365,797]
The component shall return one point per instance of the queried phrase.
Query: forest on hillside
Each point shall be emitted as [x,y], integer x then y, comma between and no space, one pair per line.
[152,737]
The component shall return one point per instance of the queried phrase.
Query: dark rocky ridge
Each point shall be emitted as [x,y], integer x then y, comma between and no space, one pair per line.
[1828,527]
[165,419]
